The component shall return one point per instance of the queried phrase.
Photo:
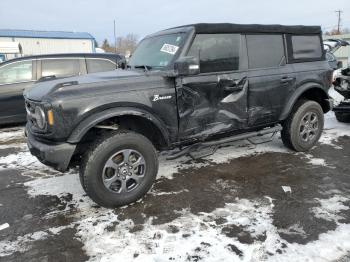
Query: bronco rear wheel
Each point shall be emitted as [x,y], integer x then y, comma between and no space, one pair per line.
[119,169]
[303,128]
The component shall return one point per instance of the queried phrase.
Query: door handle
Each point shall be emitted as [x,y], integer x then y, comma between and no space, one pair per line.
[287,79]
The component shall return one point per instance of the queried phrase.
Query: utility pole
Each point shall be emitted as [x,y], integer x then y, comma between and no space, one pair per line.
[339,19]
[115,38]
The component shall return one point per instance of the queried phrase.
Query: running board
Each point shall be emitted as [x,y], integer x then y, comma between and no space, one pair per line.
[216,143]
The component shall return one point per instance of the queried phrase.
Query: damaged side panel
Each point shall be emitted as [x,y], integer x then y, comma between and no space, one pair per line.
[212,104]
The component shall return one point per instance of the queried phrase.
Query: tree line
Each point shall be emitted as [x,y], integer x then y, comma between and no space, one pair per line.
[125,45]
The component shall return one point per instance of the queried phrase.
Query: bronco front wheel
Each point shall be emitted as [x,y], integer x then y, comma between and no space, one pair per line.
[119,169]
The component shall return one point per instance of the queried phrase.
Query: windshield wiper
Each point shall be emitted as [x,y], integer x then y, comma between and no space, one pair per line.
[146,67]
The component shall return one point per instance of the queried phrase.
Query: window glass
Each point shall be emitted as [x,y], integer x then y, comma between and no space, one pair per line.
[158,51]
[217,52]
[16,72]
[60,67]
[99,65]
[265,51]
[306,47]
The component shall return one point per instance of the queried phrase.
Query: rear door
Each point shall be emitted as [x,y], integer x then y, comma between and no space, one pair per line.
[271,79]
[214,101]
[14,78]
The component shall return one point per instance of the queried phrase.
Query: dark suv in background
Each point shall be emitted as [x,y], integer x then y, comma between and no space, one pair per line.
[188,87]
[21,73]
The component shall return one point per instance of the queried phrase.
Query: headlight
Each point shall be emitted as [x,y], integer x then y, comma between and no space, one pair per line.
[40,117]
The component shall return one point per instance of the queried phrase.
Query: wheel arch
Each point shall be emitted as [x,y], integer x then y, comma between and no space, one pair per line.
[139,117]
[309,91]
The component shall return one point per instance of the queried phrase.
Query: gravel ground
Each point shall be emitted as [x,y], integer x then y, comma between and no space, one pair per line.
[244,203]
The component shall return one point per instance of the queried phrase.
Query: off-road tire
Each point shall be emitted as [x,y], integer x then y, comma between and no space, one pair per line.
[94,161]
[291,126]
[343,117]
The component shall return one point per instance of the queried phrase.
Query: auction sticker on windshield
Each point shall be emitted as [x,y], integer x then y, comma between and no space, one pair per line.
[170,49]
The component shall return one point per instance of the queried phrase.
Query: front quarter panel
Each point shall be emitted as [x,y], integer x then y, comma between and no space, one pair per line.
[153,94]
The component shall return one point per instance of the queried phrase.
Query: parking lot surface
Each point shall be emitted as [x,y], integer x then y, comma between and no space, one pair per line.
[244,203]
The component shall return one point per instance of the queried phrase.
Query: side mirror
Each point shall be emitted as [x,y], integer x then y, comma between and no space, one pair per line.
[187,66]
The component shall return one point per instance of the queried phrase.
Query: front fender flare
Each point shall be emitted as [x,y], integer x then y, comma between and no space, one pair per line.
[85,125]
[297,94]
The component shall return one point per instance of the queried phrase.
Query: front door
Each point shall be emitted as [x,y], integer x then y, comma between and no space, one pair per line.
[14,78]
[215,101]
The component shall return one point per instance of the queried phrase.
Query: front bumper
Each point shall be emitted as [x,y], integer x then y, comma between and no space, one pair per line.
[56,155]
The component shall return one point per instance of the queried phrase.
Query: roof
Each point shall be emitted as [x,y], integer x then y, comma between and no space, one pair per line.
[44,34]
[252,28]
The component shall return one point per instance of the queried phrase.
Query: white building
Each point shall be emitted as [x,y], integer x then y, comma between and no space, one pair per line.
[48,42]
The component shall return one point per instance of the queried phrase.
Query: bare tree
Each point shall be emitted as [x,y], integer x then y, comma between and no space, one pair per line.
[125,44]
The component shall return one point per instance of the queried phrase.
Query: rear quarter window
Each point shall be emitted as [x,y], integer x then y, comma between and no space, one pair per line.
[306,48]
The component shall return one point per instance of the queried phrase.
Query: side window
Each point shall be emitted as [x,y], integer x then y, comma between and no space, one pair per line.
[99,65]
[265,51]
[217,52]
[60,67]
[306,47]
[16,72]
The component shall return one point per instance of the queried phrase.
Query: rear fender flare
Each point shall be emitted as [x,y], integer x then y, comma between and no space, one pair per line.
[299,93]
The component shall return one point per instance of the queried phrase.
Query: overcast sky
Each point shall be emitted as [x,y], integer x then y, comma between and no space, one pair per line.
[142,17]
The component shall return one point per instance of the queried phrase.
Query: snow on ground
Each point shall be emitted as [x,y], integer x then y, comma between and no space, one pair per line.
[197,234]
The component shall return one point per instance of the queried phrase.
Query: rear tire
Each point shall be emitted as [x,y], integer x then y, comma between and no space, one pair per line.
[119,169]
[343,117]
[303,127]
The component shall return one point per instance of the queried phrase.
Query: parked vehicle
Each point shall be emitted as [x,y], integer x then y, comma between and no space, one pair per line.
[21,73]
[187,87]
[342,86]
[341,79]
[331,46]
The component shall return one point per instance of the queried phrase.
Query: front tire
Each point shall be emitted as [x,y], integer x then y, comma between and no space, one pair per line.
[303,127]
[119,169]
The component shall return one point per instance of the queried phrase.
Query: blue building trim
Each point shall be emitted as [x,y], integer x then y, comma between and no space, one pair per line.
[45,34]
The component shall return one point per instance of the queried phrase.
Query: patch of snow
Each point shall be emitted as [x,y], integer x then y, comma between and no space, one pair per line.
[9,134]
[329,208]
[316,161]
[21,244]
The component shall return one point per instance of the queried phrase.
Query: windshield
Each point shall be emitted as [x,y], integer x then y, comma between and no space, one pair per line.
[157,52]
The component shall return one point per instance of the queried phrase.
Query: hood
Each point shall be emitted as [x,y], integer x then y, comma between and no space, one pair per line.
[40,90]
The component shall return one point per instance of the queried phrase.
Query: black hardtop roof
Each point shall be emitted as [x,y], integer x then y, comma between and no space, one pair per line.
[217,28]
[111,56]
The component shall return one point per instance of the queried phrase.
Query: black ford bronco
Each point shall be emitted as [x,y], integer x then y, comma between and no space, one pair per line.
[185,87]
